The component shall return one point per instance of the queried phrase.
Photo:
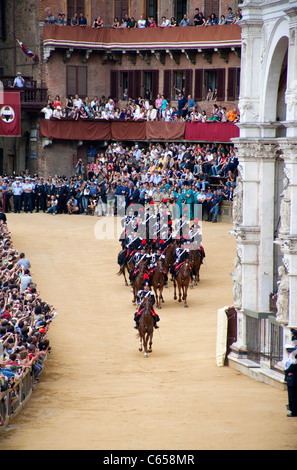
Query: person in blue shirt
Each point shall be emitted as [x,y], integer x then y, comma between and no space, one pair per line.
[214,211]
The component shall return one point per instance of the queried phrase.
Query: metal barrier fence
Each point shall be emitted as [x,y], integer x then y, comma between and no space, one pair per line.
[12,399]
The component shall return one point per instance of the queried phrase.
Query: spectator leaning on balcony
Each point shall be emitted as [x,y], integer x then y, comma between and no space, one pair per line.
[230,16]
[165,22]
[98,22]
[48,112]
[82,21]
[19,81]
[141,23]
[185,21]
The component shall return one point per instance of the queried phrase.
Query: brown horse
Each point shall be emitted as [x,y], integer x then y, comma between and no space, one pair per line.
[138,281]
[195,263]
[182,281]
[146,327]
[127,266]
[158,282]
[169,255]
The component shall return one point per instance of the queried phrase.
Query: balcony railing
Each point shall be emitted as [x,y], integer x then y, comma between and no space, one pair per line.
[32,97]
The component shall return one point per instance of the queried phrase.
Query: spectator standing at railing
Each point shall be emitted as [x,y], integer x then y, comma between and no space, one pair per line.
[165,22]
[19,81]
[141,23]
[82,20]
[185,21]
[74,20]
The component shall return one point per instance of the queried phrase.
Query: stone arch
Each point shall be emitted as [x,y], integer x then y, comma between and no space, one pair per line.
[275,67]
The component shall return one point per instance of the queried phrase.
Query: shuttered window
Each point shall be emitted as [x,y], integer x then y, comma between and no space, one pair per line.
[189,82]
[221,84]
[215,78]
[211,6]
[75,6]
[198,94]
[114,86]
[167,86]
[121,8]
[76,80]
[233,83]
[131,81]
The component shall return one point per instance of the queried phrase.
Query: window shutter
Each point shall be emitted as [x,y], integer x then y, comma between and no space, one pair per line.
[82,81]
[120,9]
[137,83]
[211,6]
[198,96]
[167,85]
[155,84]
[189,82]
[114,84]
[71,80]
[221,73]
[231,84]
[131,93]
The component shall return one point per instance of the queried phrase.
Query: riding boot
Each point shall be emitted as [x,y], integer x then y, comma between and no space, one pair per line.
[156,319]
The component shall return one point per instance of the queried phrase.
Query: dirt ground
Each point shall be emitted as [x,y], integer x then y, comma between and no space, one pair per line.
[97,392]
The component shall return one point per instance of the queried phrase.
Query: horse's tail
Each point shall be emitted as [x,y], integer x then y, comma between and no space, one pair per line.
[121,271]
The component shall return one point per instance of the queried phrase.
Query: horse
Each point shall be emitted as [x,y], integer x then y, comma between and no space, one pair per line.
[146,327]
[138,281]
[195,263]
[158,282]
[169,255]
[182,281]
[127,265]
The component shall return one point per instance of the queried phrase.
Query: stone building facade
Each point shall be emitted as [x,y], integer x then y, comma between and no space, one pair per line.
[265,224]
[98,68]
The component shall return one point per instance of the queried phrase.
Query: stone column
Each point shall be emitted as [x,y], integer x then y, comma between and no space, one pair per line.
[287,236]
[291,93]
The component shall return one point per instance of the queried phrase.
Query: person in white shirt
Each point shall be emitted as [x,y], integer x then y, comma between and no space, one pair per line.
[141,23]
[77,102]
[48,112]
[58,113]
[165,22]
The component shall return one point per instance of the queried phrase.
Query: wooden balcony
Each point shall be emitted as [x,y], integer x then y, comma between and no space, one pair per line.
[33,98]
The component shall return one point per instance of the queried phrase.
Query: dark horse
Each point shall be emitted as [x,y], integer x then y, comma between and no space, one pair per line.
[182,281]
[146,327]
[195,263]
[139,280]
[158,282]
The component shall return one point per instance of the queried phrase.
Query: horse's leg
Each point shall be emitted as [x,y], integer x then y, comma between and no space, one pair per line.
[145,338]
[151,343]
[124,272]
[174,284]
[140,344]
[134,294]
[157,297]
[185,296]
[161,294]
[179,292]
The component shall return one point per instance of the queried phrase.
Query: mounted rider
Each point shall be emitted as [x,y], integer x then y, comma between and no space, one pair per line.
[141,256]
[195,237]
[141,295]
[181,254]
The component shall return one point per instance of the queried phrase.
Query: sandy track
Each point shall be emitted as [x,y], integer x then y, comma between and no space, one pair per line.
[98,392]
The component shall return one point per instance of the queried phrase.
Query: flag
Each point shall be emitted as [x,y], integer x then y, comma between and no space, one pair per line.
[27,51]
[10,114]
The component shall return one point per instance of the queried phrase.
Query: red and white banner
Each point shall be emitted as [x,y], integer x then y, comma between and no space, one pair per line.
[10,114]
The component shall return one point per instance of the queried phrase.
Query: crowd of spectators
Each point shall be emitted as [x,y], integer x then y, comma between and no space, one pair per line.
[130,22]
[24,321]
[171,173]
[140,109]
